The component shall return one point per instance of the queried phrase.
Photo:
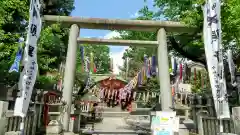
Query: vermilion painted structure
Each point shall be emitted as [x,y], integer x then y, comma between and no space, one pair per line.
[112,83]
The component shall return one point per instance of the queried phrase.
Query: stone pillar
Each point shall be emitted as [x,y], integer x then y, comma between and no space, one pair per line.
[236,119]
[3,118]
[69,74]
[163,71]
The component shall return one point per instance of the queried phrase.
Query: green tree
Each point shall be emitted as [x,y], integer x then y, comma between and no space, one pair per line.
[52,43]
[58,7]
[190,13]
[184,45]
[101,57]
[200,82]
[101,60]
[11,14]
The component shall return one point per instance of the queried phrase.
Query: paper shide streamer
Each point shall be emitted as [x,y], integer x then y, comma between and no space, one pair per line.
[148,70]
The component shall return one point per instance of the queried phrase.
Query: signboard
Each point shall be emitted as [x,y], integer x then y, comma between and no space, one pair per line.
[162,132]
[176,124]
[165,123]
[184,87]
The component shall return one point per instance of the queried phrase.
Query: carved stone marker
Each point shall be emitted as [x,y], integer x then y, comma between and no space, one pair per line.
[236,119]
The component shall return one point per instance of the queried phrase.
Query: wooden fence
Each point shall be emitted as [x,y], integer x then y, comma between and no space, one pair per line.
[210,125]
[202,112]
[205,125]
[30,123]
[11,123]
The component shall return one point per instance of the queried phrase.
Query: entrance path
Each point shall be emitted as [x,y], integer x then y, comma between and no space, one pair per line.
[113,123]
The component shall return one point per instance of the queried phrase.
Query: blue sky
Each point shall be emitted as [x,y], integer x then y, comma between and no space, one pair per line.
[120,9]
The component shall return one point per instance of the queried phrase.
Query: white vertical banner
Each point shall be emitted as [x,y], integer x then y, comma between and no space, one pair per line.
[29,73]
[213,51]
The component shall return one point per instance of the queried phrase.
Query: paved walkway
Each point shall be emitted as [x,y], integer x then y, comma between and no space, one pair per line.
[113,123]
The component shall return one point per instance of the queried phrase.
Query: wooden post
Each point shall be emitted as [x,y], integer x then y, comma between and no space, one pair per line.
[236,119]
[238,85]
[200,116]
[35,117]
[40,109]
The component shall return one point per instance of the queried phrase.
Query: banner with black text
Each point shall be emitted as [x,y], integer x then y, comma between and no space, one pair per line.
[30,70]
[213,51]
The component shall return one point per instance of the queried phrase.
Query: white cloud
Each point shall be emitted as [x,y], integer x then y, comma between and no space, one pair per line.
[135,15]
[111,35]
[117,60]
[117,56]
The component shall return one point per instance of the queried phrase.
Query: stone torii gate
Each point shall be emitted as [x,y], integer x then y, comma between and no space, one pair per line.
[75,23]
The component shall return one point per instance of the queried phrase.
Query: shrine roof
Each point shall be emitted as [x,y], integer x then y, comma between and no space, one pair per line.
[100,77]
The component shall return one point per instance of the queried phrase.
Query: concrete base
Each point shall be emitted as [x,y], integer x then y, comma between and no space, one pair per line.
[13,133]
[65,133]
[54,127]
[227,134]
[183,130]
[54,134]
[3,122]
[69,133]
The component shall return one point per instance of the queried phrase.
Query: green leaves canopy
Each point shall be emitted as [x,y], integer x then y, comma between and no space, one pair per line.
[186,46]
[101,57]
[51,45]
[190,13]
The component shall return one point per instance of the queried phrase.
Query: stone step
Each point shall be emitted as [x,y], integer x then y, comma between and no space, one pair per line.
[110,109]
[110,125]
[114,114]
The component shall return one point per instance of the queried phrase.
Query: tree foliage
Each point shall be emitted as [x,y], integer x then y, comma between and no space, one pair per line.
[188,46]
[190,13]
[11,15]
[51,45]
[101,57]
[200,82]
[58,7]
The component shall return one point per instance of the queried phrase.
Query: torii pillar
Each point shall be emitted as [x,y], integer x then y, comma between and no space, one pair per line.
[69,74]
[163,71]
